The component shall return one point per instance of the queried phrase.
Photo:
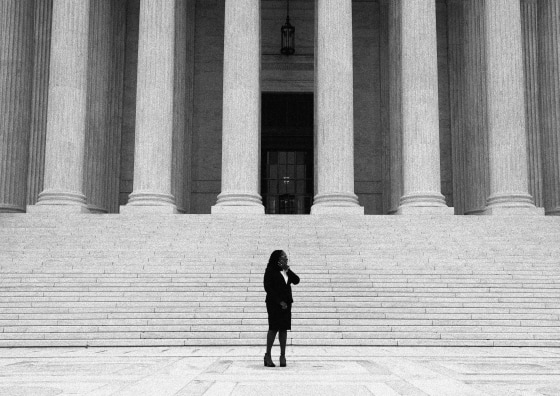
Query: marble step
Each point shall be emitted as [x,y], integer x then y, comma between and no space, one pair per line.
[376,280]
[261,341]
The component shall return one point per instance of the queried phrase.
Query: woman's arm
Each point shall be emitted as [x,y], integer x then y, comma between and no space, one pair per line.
[292,277]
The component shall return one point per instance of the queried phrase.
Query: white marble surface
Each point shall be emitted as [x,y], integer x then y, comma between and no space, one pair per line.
[507,142]
[420,113]
[334,109]
[241,110]
[154,109]
[310,371]
[67,109]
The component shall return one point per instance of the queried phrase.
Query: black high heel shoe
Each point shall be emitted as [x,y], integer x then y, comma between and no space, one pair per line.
[268,361]
[282,361]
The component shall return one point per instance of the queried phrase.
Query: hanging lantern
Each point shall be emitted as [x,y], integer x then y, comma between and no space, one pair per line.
[288,34]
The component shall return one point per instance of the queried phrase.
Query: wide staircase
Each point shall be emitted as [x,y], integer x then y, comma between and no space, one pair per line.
[116,280]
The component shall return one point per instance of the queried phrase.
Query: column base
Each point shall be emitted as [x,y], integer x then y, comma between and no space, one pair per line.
[7,208]
[147,209]
[96,209]
[427,203]
[57,209]
[59,202]
[238,209]
[552,212]
[238,203]
[425,210]
[512,205]
[142,202]
[332,204]
[513,211]
[336,210]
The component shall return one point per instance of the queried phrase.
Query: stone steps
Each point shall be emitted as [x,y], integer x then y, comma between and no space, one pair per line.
[197,280]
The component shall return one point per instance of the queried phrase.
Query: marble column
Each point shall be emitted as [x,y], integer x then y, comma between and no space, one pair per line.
[180,108]
[189,105]
[530,58]
[456,24]
[420,113]
[16,62]
[115,103]
[66,113]
[476,110]
[549,89]
[241,110]
[38,129]
[334,116]
[105,87]
[384,88]
[153,154]
[96,145]
[395,106]
[469,105]
[506,110]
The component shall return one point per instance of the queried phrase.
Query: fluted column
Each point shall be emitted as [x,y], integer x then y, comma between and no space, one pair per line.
[180,108]
[420,113]
[456,24]
[16,55]
[506,110]
[152,184]
[549,89]
[334,117]
[530,58]
[241,110]
[475,110]
[384,89]
[38,129]
[66,114]
[96,147]
[189,85]
[115,103]
[395,106]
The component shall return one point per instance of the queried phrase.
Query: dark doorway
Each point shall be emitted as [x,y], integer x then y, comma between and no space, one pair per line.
[287,153]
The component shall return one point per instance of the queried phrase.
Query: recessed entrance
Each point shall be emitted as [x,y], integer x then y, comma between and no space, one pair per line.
[287,153]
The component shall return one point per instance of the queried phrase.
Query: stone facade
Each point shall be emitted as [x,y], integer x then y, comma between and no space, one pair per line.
[155,106]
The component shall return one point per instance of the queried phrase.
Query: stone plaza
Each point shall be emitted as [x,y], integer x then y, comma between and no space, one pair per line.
[378,371]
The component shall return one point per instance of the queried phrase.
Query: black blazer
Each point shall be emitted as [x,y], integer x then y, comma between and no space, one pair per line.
[277,290]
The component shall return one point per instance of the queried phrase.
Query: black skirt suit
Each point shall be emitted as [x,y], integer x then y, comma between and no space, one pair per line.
[278,290]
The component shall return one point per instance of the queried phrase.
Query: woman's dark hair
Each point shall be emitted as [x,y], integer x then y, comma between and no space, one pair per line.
[274,259]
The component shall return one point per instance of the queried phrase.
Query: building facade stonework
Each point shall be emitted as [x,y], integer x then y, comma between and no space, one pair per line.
[187,106]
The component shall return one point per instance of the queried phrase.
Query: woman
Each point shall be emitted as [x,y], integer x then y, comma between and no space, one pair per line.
[277,280]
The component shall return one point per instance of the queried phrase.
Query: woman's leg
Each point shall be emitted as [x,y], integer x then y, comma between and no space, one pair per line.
[283,337]
[270,340]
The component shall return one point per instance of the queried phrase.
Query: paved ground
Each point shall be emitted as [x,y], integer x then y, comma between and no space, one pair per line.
[311,371]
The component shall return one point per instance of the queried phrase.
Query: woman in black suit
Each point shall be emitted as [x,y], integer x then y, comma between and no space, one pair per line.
[278,278]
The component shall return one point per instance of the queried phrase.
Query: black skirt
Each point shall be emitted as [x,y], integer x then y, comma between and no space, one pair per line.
[278,318]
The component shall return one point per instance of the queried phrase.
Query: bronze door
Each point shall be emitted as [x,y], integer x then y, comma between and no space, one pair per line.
[287,185]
